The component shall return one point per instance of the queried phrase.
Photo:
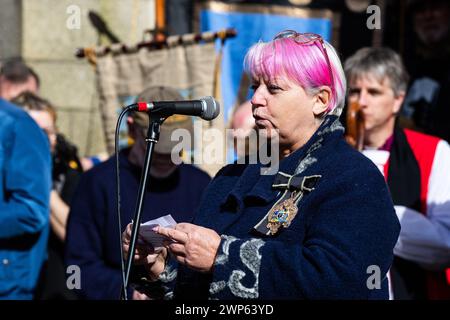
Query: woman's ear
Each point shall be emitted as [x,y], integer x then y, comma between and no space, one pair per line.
[322,101]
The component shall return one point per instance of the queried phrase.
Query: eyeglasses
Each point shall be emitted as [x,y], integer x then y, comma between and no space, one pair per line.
[307,39]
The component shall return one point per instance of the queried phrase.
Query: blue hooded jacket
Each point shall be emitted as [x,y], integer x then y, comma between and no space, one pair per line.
[25,182]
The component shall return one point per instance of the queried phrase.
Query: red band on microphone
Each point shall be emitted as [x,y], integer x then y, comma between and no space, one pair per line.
[142,106]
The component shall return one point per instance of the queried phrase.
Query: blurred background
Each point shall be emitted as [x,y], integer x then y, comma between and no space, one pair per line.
[83,60]
[47,33]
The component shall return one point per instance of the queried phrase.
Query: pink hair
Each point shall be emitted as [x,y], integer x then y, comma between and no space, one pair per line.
[304,64]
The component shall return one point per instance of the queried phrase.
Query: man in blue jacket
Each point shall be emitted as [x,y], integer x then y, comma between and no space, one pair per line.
[24,194]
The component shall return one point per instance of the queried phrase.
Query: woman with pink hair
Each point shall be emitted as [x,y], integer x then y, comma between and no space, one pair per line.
[322,227]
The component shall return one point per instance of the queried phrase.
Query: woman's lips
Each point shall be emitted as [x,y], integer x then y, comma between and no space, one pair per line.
[258,117]
[259,121]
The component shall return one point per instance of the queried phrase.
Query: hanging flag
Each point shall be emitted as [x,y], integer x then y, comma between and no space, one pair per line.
[253,23]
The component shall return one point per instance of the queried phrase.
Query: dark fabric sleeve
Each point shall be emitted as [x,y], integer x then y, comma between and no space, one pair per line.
[353,231]
[84,242]
[167,279]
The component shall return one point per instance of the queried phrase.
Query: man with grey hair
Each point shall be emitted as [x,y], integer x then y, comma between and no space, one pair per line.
[416,169]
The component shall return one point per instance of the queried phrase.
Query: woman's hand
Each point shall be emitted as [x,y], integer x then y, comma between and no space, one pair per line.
[154,261]
[193,246]
[139,296]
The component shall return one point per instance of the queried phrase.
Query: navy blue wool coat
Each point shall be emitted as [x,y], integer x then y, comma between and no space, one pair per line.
[338,246]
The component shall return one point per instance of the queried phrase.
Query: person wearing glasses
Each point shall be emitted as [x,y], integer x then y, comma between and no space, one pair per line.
[66,173]
[321,227]
[416,167]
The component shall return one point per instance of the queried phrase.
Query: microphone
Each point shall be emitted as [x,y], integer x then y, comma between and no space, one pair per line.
[206,108]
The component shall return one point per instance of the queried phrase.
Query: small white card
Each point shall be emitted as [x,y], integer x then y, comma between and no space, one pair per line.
[146,231]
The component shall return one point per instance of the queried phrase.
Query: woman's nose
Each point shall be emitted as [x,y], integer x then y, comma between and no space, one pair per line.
[258,98]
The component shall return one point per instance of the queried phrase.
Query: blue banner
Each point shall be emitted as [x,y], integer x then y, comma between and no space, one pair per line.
[251,27]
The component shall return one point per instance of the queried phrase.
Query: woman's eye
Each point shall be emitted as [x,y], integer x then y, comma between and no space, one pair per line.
[273,88]
[254,87]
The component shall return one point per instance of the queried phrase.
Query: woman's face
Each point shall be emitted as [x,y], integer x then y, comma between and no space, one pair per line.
[46,122]
[282,106]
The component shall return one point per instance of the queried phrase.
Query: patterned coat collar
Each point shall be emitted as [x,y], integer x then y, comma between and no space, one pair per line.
[254,184]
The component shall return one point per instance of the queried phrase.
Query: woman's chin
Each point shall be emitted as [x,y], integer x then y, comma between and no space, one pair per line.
[264,124]
[268,132]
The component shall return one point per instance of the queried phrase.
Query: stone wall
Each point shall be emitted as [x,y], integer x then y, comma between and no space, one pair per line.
[46,34]
[10,28]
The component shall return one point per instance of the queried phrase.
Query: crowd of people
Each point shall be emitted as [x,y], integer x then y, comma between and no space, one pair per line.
[44,183]
[310,231]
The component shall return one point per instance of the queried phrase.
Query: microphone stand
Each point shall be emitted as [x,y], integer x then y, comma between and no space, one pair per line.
[151,139]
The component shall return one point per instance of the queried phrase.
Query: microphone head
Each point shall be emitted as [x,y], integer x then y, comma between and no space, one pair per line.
[212,109]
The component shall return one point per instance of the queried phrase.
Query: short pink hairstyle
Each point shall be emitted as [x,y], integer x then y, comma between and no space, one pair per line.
[305,65]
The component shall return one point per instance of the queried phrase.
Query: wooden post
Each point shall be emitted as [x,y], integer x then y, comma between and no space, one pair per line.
[160,23]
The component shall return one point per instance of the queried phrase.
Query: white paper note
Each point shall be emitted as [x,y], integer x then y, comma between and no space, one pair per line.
[146,231]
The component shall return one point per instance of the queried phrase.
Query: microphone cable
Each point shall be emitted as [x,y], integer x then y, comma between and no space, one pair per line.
[123,293]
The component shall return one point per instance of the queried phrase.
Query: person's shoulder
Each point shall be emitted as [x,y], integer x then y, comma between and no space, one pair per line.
[8,108]
[346,168]
[357,181]
[235,169]
[424,146]
[105,169]
[194,171]
[17,122]
[12,112]
[347,159]
[416,137]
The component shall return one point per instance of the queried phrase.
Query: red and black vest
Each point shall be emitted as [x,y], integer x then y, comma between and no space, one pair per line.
[407,173]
